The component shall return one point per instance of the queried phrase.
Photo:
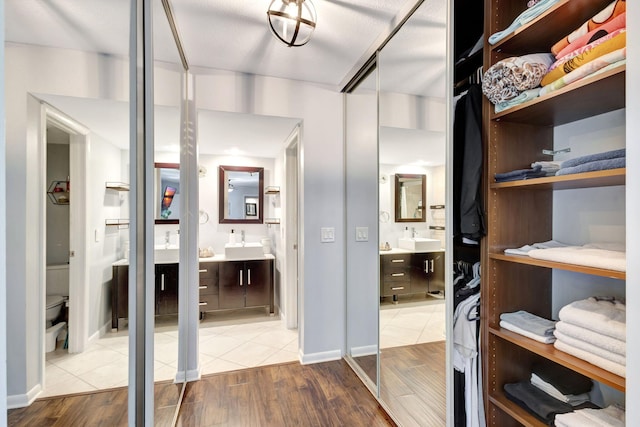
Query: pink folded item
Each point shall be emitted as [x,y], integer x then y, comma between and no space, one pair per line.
[618,22]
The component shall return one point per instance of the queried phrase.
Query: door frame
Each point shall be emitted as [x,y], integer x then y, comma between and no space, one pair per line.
[292,227]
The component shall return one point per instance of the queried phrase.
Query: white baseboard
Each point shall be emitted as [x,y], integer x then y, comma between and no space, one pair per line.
[365,350]
[190,375]
[22,400]
[323,356]
[100,333]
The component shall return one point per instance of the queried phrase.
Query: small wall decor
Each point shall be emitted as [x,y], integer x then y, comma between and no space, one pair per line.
[58,192]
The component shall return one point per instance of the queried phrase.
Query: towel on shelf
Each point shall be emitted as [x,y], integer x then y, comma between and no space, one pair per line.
[507,78]
[610,27]
[585,48]
[525,17]
[525,333]
[524,250]
[615,43]
[530,322]
[571,399]
[606,342]
[594,359]
[591,348]
[585,256]
[612,154]
[525,96]
[609,13]
[591,69]
[565,380]
[519,174]
[536,401]
[598,165]
[604,315]
[613,416]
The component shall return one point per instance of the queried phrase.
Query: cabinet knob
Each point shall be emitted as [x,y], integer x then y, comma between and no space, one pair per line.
[248,276]
[202,287]
[397,288]
[162,282]
[431,262]
[202,303]
[397,260]
[203,271]
[241,278]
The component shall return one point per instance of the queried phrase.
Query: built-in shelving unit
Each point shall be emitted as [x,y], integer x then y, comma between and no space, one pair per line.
[117,186]
[58,192]
[521,212]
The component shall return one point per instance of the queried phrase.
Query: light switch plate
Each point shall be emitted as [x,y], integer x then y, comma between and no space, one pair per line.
[362,234]
[327,234]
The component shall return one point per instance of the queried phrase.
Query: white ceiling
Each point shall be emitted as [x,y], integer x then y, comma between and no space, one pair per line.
[234,35]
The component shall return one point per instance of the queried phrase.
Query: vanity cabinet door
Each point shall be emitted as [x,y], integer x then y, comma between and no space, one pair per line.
[166,289]
[436,272]
[208,286]
[420,273]
[232,284]
[258,282]
[119,294]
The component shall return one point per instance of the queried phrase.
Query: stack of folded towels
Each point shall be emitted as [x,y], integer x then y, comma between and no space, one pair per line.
[561,383]
[613,416]
[531,326]
[594,162]
[594,329]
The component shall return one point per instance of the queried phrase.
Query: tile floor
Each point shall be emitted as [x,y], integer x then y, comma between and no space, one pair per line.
[227,341]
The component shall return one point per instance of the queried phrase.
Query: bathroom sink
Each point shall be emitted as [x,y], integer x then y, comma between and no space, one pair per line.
[166,254]
[419,244]
[246,251]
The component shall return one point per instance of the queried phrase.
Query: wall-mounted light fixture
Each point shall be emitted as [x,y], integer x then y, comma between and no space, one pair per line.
[292,21]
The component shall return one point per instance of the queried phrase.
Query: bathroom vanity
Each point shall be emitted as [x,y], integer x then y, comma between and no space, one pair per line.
[223,284]
[404,272]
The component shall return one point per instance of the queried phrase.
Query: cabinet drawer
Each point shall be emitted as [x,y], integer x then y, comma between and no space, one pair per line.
[208,286]
[208,269]
[396,288]
[208,302]
[395,261]
[395,275]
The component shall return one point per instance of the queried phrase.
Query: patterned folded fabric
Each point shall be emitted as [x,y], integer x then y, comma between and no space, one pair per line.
[604,63]
[506,79]
[617,23]
[585,48]
[525,17]
[616,43]
[607,14]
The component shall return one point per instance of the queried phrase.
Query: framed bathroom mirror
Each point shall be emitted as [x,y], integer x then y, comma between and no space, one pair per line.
[410,197]
[167,193]
[240,194]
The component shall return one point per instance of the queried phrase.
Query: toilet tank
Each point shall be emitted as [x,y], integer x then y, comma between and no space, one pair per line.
[58,279]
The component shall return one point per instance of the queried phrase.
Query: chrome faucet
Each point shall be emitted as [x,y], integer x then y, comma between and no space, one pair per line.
[414,233]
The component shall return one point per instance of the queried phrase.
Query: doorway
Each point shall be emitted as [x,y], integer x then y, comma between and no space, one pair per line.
[291,204]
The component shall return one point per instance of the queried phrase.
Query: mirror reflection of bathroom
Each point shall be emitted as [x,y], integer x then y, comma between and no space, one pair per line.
[412,181]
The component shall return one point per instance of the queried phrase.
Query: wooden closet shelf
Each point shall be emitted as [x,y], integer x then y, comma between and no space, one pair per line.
[549,352]
[514,410]
[594,95]
[604,178]
[545,30]
[520,259]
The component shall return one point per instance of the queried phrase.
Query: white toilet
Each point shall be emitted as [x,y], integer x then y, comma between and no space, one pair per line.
[54,305]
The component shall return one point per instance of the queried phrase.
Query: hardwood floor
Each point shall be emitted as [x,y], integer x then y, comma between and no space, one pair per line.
[324,394]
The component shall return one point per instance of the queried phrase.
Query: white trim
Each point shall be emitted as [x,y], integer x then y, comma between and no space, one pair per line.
[323,356]
[190,375]
[365,350]
[23,400]
[291,204]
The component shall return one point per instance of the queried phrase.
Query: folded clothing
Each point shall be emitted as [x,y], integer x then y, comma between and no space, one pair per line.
[527,16]
[536,401]
[617,23]
[613,416]
[585,48]
[594,359]
[606,155]
[591,348]
[540,338]
[615,43]
[598,165]
[593,68]
[519,174]
[506,79]
[563,379]
[525,96]
[606,342]
[530,322]
[604,315]
[524,250]
[582,255]
[571,399]
[614,9]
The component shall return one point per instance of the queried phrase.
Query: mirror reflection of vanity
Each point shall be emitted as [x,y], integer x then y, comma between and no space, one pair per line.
[240,194]
[410,195]
[167,200]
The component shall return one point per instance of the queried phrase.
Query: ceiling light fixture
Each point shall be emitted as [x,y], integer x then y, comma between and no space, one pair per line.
[292,21]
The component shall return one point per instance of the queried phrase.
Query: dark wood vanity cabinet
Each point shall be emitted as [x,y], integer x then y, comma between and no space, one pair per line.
[208,286]
[411,273]
[246,284]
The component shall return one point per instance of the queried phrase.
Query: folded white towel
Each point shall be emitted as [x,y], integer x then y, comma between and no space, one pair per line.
[524,250]
[598,351]
[582,255]
[571,399]
[601,362]
[539,338]
[605,316]
[613,416]
[583,334]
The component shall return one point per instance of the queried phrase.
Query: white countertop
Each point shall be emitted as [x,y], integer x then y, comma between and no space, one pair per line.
[397,251]
[215,258]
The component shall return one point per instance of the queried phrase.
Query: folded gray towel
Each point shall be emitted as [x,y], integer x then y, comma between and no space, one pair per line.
[613,154]
[598,165]
[530,322]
